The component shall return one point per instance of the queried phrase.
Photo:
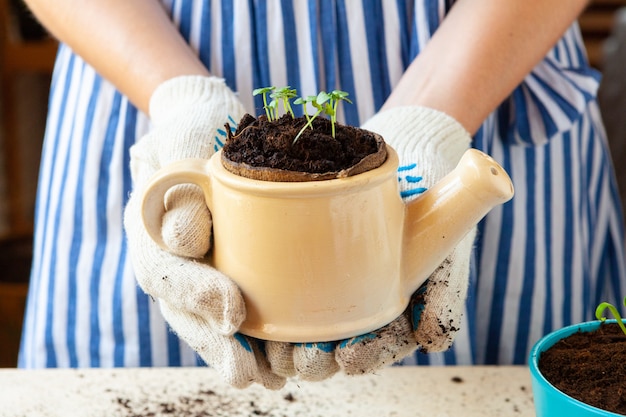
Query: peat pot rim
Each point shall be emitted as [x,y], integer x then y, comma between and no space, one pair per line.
[364,180]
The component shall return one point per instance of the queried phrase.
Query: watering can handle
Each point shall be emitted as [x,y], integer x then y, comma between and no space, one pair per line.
[186,171]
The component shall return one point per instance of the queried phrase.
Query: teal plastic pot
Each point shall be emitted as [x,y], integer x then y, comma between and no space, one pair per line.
[549,401]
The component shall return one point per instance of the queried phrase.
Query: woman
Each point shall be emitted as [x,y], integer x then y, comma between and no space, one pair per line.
[513,75]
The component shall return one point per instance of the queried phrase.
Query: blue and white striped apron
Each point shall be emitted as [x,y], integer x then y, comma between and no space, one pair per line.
[543,260]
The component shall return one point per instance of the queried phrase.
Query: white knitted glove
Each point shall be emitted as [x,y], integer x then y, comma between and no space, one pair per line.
[203,306]
[429,144]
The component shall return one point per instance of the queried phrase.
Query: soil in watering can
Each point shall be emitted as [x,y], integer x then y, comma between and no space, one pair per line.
[259,143]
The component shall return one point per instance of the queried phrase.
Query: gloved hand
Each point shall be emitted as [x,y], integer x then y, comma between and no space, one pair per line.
[429,144]
[203,306]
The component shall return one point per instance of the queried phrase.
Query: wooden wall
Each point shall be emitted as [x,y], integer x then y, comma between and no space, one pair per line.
[596,24]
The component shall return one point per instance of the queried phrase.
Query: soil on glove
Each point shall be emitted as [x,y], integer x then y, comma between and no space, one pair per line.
[260,143]
[590,366]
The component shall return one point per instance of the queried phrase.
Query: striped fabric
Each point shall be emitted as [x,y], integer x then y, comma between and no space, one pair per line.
[543,260]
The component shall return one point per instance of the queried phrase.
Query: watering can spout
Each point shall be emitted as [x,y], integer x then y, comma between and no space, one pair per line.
[437,220]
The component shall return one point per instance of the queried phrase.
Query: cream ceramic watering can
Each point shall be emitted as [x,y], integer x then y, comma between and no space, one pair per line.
[328,260]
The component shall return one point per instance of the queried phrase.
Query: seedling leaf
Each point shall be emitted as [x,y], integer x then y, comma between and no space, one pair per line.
[604,306]
[265,91]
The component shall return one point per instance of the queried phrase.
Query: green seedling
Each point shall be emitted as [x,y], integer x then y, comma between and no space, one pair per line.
[323,102]
[303,102]
[320,102]
[334,98]
[600,314]
[268,107]
[284,94]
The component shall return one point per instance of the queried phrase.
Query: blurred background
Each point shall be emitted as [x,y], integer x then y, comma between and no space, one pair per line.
[26,60]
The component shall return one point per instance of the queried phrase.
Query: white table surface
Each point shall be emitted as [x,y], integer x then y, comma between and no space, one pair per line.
[395,391]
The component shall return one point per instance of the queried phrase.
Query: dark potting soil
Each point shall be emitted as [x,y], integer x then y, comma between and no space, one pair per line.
[260,143]
[590,366]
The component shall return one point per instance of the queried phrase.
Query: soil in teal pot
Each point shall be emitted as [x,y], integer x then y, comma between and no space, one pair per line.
[590,366]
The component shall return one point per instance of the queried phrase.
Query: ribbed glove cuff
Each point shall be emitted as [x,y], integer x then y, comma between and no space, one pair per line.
[414,129]
[179,94]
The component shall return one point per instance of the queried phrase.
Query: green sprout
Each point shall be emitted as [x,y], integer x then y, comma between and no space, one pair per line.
[303,101]
[323,102]
[320,102]
[284,94]
[600,313]
[334,98]
[267,107]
